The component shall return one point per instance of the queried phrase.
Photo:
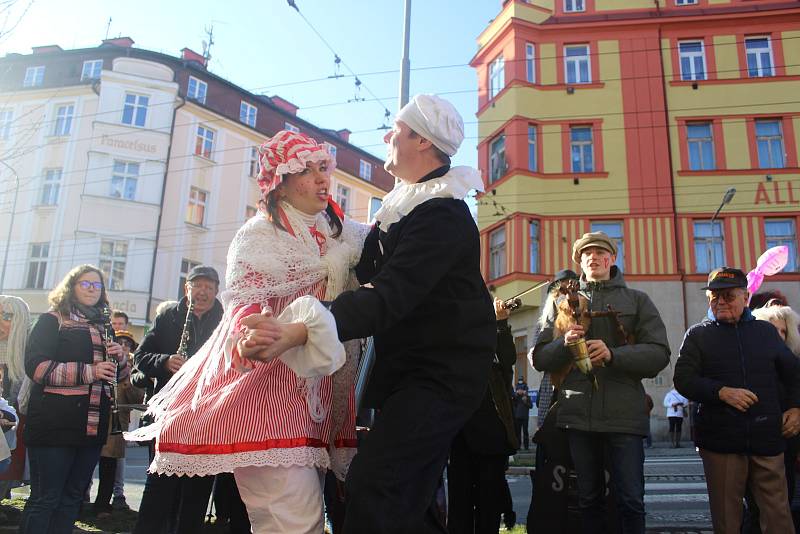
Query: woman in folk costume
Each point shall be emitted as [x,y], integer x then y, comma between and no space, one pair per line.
[278,424]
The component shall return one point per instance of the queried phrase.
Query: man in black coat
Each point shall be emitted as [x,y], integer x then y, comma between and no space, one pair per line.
[431,316]
[731,364]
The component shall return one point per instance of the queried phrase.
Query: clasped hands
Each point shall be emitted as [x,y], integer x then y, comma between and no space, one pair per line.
[263,338]
[599,353]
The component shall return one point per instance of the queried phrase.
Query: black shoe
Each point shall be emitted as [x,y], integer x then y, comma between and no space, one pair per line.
[510,519]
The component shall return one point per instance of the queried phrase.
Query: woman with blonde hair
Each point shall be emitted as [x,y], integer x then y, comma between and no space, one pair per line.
[786,320]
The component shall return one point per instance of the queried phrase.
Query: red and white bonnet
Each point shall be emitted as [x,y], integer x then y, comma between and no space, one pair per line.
[288,153]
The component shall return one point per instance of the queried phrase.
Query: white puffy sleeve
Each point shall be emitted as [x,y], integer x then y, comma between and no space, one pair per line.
[322,353]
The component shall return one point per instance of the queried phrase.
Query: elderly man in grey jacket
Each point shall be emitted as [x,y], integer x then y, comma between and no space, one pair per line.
[611,415]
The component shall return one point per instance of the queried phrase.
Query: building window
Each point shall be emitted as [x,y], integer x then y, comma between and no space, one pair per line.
[247,114]
[685,2]
[196,210]
[708,253]
[580,139]
[124,179]
[576,64]
[204,143]
[574,6]
[365,170]
[343,198]
[497,253]
[254,163]
[37,265]
[769,141]
[250,212]
[34,76]
[113,255]
[614,231]
[782,232]
[289,127]
[374,205]
[497,158]
[134,112]
[6,118]
[693,60]
[186,268]
[701,146]
[534,246]
[497,76]
[530,66]
[51,186]
[91,69]
[63,124]
[532,163]
[759,57]
[197,90]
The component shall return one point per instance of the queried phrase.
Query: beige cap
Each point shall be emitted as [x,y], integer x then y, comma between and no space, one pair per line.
[592,239]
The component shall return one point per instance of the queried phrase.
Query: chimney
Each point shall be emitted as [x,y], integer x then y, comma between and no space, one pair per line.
[344,135]
[285,105]
[122,42]
[45,49]
[187,54]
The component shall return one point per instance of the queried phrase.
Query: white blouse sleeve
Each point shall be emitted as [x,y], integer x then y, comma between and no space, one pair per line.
[322,353]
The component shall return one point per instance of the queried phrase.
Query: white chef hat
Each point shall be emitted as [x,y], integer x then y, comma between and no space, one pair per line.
[435,119]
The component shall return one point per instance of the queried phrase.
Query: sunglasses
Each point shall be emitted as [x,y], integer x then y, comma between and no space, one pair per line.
[85,284]
[7,316]
[727,296]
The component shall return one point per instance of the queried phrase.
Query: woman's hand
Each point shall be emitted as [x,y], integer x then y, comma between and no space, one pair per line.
[264,338]
[105,371]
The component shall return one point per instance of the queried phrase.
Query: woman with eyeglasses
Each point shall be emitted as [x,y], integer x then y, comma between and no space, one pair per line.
[72,369]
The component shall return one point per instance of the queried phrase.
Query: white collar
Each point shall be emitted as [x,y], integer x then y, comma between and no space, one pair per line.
[401,200]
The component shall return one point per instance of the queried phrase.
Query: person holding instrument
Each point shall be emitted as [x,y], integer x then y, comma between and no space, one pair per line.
[69,411]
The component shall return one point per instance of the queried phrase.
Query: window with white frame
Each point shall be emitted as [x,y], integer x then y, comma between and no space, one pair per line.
[701,146]
[196,90]
[365,170]
[6,118]
[497,76]
[124,178]
[708,251]
[34,76]
[343,198]
[134,112]
[113,257]
[577,66]
[497,253]
[692,59]
[196,210]
[91,69]
[581,149]
[685,2]
[254,162]
[769,141]
[530,65]
[63,122]
[247,114]
[374,205]
[532,163]
[780,232]
[289,127]
[186,268]
[497,158]
[204,143]
[574,6]
[51,187]
[759,57]
[37,265]
[613,229]
[250,212]
[533,252]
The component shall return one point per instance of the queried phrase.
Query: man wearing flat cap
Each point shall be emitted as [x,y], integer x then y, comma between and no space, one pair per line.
[611,416]
[746,382]
[431,316]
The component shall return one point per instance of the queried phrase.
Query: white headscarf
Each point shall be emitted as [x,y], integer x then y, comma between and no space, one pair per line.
[435,119]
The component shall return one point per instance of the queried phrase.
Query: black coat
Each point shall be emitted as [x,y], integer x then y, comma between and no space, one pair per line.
[163,339]
[428,308]
[748,354]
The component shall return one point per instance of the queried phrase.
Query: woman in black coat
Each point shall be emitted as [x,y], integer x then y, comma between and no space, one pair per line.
[69,410]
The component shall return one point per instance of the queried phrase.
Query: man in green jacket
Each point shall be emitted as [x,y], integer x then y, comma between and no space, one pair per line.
[611,416]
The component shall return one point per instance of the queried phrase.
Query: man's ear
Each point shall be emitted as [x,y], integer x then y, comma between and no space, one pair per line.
[423,143]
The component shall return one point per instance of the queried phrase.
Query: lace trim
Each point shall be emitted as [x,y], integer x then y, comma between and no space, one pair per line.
[171,463]
[340,460]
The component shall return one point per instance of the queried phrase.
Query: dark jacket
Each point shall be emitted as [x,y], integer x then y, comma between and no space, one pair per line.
[748,354]
[163,339]
[428,308]
[618,404]
[53,419]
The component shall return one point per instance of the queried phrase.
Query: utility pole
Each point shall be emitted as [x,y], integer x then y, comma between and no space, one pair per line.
[405,64]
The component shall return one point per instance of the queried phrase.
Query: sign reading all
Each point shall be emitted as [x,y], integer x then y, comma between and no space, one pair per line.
[778,193]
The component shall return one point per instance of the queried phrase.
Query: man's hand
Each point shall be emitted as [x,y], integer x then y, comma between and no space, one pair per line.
[599,353]
[739,398]
[174,363]
[105,371]
[115,349]
[500,310]
[791,422]
[264,338]
[574,334]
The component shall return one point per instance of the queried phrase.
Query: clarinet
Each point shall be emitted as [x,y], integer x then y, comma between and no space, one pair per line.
[108,336]
[183,347]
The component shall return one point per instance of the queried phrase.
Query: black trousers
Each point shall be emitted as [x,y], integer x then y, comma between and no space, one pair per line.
[393,478]
[107,470]
[476,487]
[521,426]
[173,505]
[229,506]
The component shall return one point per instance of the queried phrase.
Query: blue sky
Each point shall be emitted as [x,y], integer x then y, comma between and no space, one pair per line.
[266,47]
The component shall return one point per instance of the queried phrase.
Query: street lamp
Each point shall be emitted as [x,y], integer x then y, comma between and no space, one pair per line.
[725,200]
[10,224]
